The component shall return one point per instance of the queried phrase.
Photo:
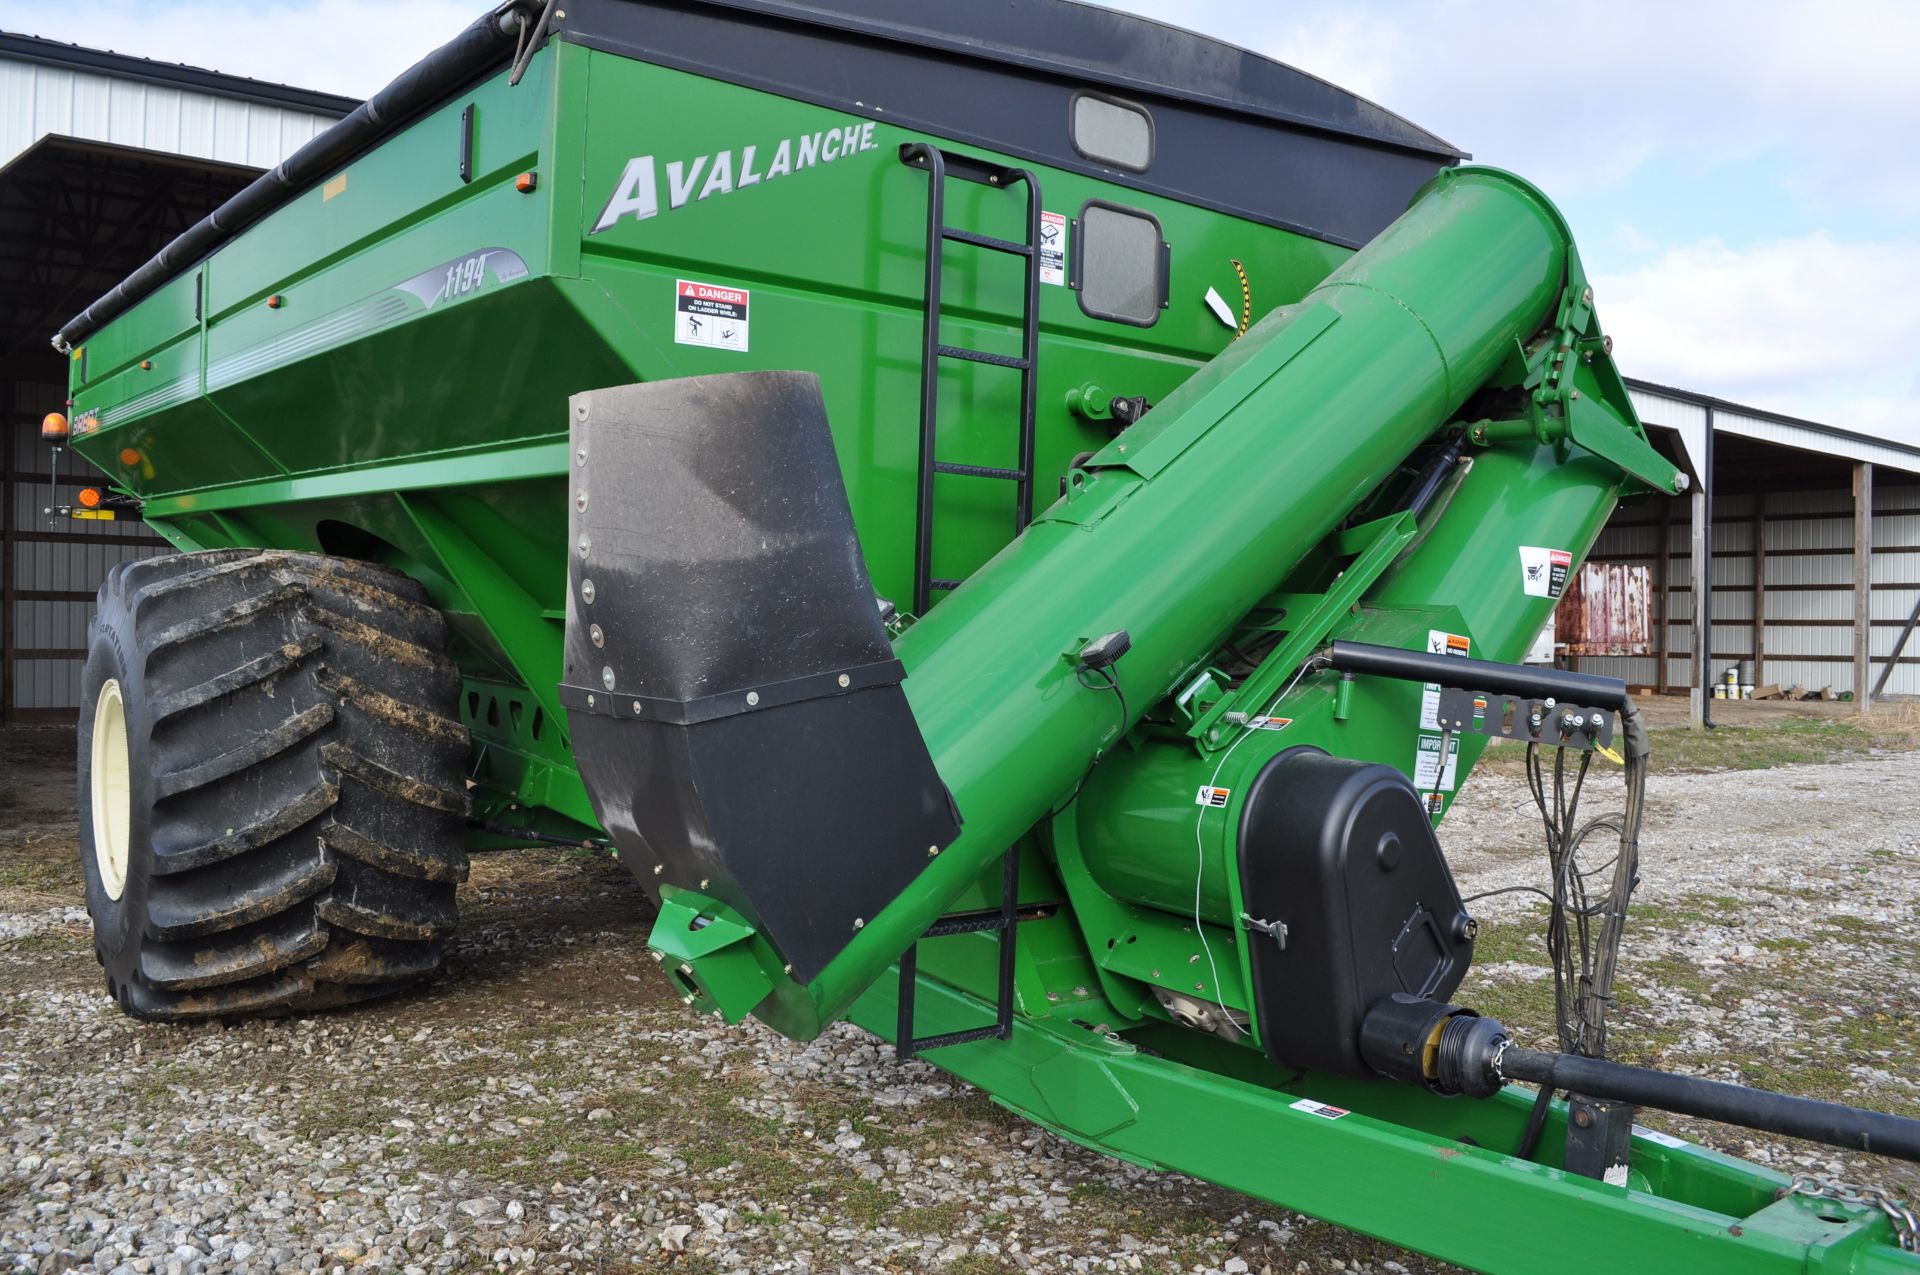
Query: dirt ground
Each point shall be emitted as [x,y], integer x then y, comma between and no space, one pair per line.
[548,1104]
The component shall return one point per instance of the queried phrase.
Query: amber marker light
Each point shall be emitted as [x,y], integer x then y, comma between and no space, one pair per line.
[128,456]
[53,426]
[89,497]
[526,182]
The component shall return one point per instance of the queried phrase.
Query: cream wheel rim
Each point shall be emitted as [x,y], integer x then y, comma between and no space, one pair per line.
[112,789]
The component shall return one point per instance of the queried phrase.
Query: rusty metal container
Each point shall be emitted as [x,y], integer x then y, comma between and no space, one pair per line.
[1607,610]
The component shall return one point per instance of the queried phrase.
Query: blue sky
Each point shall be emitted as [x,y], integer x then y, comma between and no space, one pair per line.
[1744,178]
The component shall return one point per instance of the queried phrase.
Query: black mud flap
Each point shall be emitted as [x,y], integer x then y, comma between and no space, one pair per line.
[736,708]
[1348,900]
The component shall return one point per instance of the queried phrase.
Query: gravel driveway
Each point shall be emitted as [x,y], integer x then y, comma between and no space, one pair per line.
[550,1106]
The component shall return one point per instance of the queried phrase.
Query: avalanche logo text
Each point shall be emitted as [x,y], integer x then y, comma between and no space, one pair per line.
[638,193]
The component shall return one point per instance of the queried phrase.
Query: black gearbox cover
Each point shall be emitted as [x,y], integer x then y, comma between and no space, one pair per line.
[736,709]
[1342,853]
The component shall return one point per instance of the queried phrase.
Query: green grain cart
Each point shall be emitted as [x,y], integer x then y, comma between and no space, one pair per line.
[1012,521]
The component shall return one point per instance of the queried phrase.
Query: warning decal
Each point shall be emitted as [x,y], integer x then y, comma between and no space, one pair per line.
[1269,723]
[1053,248]
[1543,572]
[1428,776]
[1323,1109]
[1439,642]
[710,314]
[1211,796]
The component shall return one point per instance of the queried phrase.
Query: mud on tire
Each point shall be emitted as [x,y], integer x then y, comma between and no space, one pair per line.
[289,830]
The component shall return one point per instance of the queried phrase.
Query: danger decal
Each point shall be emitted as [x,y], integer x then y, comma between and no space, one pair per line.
[646,184]
[1053,248]
[1543,572]
[1325,1110]
[710,314]
[1211,796]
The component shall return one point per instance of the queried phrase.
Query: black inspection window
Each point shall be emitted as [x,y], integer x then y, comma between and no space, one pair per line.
[1120,264]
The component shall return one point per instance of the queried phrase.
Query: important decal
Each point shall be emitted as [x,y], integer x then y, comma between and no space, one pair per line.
[1325,1110]
[1439,642]
[1053,248]
[1543,572]
[1428,774]
[640,191]
[710,314]
[1269,723]
[1211,796]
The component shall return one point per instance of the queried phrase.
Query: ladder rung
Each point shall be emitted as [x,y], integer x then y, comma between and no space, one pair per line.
[980,356]
[979,471]
[948,585]
[967,923]
[994,1032]
[986,241]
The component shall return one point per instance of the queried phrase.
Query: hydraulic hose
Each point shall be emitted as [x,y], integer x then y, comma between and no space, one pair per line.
[1827,1122]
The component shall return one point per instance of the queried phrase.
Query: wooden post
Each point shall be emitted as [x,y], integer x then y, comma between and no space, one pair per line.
[1759,588]
[1862,584]
[1663,590]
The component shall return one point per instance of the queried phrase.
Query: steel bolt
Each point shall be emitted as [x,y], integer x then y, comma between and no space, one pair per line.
[1583,1118]
[589,701]
[705,881]
[606,676]
[580,501]
[586,590]
[685,968]
[1586,296]
[580,456]
[859,923]
[595,633]
[586,543]
[659,868]
[753,697]
[1194,959]
[1199,987]
[1154,974]
[845,680]
[636,708]
[686,1000]
[658,956]
[932,851]
[787,968]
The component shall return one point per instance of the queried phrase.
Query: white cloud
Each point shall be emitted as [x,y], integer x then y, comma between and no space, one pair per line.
[1582,97]
[1810,326]
[339,46]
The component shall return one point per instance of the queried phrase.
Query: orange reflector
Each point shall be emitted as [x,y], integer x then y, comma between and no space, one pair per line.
[89,498]
[128,456]
[146,365]
[273,302]
[526,182]
[53,425]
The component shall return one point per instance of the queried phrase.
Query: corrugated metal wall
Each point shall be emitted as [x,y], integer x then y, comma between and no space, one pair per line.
[53,565]
[36,100]
[1808,596]
[50,568]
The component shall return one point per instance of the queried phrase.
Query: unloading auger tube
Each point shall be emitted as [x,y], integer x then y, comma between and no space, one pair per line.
[1172,533]
[805,814]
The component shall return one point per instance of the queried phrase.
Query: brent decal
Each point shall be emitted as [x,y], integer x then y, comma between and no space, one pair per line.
[637,194]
